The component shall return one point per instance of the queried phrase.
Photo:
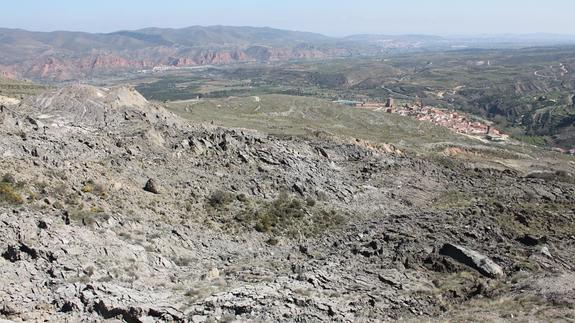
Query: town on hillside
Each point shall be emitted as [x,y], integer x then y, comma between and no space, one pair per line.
[452,120]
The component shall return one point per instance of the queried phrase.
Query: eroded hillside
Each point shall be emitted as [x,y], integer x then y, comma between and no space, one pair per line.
[113,207]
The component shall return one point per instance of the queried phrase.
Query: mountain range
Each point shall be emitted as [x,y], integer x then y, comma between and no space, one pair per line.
[65,55]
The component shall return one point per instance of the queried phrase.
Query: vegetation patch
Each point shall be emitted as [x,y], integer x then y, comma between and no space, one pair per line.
[220,199]
[95,188]
[560,176]
[289,216]
[88,217]
[8,194]
[538,219]
[453,199]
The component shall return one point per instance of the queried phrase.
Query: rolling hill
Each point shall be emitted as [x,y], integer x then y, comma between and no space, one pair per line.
[65,55]
[529,93]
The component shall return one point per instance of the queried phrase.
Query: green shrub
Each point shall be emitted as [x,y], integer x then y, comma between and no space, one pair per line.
[265,223]
[272,241]
[8,178]
[8,195]
[323,220]
[88,187]
[532,140]
[291,217]
[94,188]
[310,202]
[219,199]
[452,199]
[280,213]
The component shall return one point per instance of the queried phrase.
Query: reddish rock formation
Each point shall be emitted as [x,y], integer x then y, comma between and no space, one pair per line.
[55,67]
[7,73]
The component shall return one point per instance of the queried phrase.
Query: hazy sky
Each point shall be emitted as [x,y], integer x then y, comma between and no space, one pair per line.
[332,17]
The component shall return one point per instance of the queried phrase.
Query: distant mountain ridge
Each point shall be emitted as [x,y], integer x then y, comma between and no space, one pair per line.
[66,55]
[63,55]
[224,36]
[74,55]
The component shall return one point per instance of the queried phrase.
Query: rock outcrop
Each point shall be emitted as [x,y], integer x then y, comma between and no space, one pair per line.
[152,187]
[472,259]
[254,227]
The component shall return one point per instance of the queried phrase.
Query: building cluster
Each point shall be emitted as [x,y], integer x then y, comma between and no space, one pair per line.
[455,121]
[448,119]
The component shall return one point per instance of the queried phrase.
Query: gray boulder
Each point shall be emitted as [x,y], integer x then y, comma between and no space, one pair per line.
[473,259]
[152,186]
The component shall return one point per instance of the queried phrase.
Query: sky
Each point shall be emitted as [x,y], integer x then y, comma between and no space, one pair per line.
[330,17]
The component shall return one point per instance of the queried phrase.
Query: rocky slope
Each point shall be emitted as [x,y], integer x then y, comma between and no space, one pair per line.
[111,207]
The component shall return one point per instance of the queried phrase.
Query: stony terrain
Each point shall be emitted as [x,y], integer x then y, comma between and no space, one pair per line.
[111,207]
